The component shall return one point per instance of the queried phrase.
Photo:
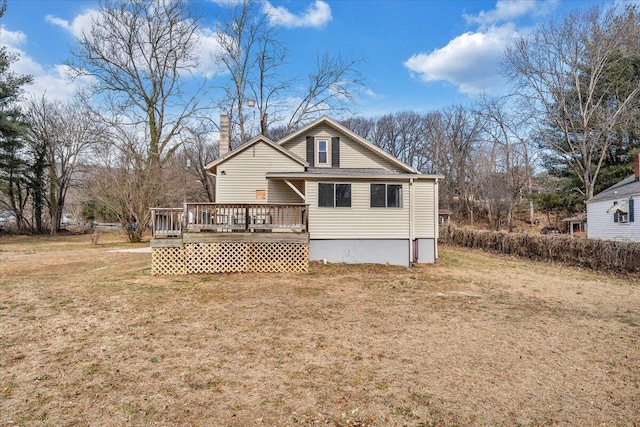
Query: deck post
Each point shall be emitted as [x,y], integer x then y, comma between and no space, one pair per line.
[185,217]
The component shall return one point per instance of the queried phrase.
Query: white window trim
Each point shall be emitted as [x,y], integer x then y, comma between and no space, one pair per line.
[316,152]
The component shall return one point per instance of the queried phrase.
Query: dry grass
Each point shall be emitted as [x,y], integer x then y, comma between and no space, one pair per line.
[88,337]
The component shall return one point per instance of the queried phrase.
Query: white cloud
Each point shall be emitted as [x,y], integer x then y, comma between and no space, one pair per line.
[53,81]
[316,15]
[370,93]
[12,38]
[78,26]
[508,10]
[470,61]
[206,42]
[208,50]
[56,84]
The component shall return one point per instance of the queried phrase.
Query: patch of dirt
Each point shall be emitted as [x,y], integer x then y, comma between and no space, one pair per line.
[87,336]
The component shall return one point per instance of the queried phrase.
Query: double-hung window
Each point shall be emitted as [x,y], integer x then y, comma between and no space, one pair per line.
[386,195]
[334,195]
[323,152]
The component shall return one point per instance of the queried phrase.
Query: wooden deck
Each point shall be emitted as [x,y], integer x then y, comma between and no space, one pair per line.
[216,237]
[228,218]
[208,237]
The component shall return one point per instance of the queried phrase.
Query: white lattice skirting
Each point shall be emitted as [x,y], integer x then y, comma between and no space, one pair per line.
[229,257]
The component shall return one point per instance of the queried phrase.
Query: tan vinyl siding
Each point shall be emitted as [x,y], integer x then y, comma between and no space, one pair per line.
[352,153]
[425,222]
[280,192]
[245,173]
[360,221]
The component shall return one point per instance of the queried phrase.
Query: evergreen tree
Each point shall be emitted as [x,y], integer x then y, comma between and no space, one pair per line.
[621,72]
[14,185]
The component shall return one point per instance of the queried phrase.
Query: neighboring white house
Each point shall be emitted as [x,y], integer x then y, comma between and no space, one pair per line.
[611,213]
[364,205]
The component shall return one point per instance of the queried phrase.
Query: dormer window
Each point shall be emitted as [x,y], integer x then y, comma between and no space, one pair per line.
[323,152]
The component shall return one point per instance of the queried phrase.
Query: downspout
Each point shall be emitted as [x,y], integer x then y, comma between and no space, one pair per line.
[216,186]
[436,225]
[411,222]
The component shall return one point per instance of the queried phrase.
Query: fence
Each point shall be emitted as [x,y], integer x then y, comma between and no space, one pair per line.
[601,255]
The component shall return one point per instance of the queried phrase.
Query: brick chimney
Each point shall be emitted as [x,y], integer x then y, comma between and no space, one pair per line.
[637,166]
[225,146]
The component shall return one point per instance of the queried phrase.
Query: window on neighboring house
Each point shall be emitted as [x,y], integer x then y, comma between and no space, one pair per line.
[386,195]
[323,152]
[334,195]
[623,212]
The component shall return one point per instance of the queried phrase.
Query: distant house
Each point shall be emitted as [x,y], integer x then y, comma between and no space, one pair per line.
[444,216]
[576,223]
[611,213]
[321,193]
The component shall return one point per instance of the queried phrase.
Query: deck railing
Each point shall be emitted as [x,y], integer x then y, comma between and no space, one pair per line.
[225,217]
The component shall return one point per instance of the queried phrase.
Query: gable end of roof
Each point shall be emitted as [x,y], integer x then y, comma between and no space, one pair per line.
[357,138]
[260,138]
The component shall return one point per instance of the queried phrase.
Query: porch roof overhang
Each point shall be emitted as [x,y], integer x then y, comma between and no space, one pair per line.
[352,174]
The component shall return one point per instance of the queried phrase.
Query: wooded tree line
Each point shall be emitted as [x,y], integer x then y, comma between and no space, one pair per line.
[140,134]
[482,150]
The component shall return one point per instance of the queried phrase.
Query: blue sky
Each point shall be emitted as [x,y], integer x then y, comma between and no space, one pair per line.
[420,55]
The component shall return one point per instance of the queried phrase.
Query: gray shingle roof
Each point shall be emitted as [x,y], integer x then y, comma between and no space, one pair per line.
[354,171]
[625,188]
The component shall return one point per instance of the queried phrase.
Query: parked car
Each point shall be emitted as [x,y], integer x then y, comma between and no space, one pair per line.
[66,219]
[7,218]
[550,229]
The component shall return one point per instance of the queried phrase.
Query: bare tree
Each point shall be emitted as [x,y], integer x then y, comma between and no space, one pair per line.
[253,55]
[198,151]
[435,143]
[64,132]
[331,89]
[141,56]
[362,126]
[462,129]
[509,172]
[565,73]
[124,182]
[249,53]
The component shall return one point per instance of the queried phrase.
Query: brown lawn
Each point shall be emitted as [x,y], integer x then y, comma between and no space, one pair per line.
[88,337]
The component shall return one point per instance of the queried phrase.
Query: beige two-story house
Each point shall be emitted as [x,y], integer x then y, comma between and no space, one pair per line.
[362,204]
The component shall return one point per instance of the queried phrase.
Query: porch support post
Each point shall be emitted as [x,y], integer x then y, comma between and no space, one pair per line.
[293,187]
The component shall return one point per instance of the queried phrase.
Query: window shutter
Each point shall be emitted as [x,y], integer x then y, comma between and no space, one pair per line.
[310,151]
[615,216]
[631,210]
[335,152]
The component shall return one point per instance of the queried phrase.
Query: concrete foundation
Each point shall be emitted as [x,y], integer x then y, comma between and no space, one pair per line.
[426,250]
[360,251]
